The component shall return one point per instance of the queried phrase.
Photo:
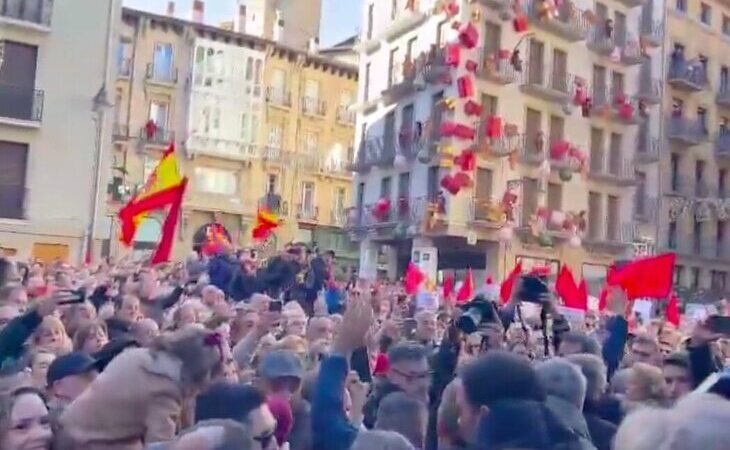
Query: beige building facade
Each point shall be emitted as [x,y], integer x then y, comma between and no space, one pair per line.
[55,70]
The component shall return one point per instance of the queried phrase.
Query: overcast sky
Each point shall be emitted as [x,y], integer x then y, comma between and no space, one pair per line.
[340,18]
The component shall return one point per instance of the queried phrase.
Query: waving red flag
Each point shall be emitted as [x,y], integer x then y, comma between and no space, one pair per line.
[566,288]
[646,277]
[448,287]
[672,311]
[583,295]
[413,279]
[505,290]
[466,292]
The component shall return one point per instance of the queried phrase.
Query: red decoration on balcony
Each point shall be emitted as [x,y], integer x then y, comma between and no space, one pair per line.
[494,127]
[463,180]
[451,129]
[150,129]
[451,8]
[472,108]
[448,129]
[471,66]
[559,150]
[445,78]
[452,55]
[626,111]
[469,36]
[619,99]
[381,209]
[580,96]
[450,185]
[465,84]
[520,23]
[467,160]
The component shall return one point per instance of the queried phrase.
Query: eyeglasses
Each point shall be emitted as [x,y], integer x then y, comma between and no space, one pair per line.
[265,439]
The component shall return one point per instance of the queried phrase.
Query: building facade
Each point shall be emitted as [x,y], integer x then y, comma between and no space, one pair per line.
[294,23]
[555,117]
[54,122]
[696,160]
[257,125]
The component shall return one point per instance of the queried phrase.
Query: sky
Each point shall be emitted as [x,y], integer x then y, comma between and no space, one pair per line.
[340,18]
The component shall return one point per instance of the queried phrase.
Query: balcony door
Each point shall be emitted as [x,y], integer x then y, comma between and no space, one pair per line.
[159,112]
[308,197]
[311,90]
[596,150]
[619,20]
[613,219]
[599,85]
[560,70]
[532,130]
[17,80]
[492,39]
[640,200]
[536,58]
[594,215]
[615,157]
[529,198]
[557,129]
[13,163]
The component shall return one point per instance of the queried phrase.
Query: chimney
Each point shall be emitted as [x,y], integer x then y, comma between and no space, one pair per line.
[198,15]
[170,9]
[239,24]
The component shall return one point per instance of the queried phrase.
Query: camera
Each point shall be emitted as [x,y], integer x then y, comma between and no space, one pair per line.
[477,312]
[533,289]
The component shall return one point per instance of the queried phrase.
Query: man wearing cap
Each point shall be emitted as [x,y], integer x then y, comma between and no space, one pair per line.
[68,377]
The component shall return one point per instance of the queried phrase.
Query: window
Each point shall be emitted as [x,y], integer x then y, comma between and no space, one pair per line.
[159,112]
[249,69]
[672,235]
[404,185]
[307,196]
[215,181]
[441,33]
[215,123]
[555,196]
[432,188]
[340,196]
[124,52]
[371,10]
[695,277]
[345,99]
[720,236]
[681,6]
[276,136]
[719,279]
[410,45]
[385,187]
[699,178]
[702,119]
[257,72]
[278,80]
[726,25]
[724,78]
[678,275]
[393,67]
[162,61]
[149,166]
[311,142]
[366,84]
[674,172]
[697,237]
[722,183]
[705,14]
[13,163]
[249,127]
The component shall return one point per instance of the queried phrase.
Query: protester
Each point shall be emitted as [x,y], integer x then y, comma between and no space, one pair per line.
[24,421]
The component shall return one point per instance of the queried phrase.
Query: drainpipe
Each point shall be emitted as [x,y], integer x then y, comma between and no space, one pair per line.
[662,137]
[100,105]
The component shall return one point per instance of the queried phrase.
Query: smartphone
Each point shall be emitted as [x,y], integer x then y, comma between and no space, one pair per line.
[276,306]
[719,324]
[71,301]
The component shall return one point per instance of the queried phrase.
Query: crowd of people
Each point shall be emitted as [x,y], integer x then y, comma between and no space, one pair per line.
[232,353]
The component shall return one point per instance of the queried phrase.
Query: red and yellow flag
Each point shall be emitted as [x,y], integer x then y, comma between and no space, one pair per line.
[266,223]
[164,188]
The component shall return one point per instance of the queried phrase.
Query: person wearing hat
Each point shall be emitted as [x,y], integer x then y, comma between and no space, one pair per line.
[68,377]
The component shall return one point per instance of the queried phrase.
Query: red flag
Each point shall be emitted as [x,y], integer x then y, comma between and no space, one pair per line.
[672,311]
[466,292]
[413,279]
[566,288]
[448,287]
[647,277]
[583,295]
[164,248]
[265,224]
[505,290]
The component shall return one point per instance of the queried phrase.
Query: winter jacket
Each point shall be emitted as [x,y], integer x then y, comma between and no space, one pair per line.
[572,419]
[613,347]
[14,335]
[221,270]
[330,426]
[370,410]
[602,431]
[701,363]
[243,286]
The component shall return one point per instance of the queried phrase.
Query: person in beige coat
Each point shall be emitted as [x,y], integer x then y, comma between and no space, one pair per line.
[140,397]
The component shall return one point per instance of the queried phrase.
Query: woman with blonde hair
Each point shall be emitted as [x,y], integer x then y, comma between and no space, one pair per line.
[645,386]
[90,337]
[51,337]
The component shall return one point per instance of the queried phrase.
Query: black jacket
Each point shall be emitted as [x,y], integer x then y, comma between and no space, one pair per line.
[602,431]
[370,410]
[14,335]
[243,286]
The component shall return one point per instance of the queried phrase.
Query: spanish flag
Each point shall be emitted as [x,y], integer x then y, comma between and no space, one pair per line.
[266,223]
[164,188]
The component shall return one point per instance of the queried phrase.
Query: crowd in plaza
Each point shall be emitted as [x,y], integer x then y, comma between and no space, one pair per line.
[228,352]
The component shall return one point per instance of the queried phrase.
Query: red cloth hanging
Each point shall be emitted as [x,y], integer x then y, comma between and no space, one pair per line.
[471,66]
[452,55]
[494,127]
[505,290]
[520,23]
[469,36]
[472,108]
[464,132]
[448,129]
[463,180]
[672,311]
[448,287]
[450,185]
[466,292]
[466,160]
[465,85]
[559,150]
[413,279]
[626,111]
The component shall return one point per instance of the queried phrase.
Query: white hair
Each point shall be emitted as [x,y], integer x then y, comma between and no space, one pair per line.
[381,440]
[595,372]
[563,380]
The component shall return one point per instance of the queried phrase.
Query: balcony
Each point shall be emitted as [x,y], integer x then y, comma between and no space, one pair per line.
[615,106]
[497,68]
[688,76]
[120,132]
[411,142]
[618,171]
[600,42]
[533,151]
[334,167]
[498,5]
[722,146]
[31,14]
[159,137]
[610,235]
[647,151]
[124,68]
[723,96]
[646,209]
[704,189]
[345,116]
[21,106]
[546,84]
[276,155]
[487,213]
[313,106]
[686,131]
[650,90]
[338,217]
[307,213]
[279,97]
[218,147]
[568,22]
[402,216]
[408,17]
[508,142]
[652,31]
[161,75]
[373,152]
[13,201]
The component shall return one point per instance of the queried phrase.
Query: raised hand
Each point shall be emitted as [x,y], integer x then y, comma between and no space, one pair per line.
[355,325]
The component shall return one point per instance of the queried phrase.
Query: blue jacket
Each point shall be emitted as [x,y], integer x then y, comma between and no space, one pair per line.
[330,427]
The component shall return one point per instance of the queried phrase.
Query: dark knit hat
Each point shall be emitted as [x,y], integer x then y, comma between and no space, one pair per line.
[501,376]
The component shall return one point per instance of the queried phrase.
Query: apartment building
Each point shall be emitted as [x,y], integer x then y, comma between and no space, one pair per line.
[257,125]
[565,122]
[294,23]
[696,187]
[53,122]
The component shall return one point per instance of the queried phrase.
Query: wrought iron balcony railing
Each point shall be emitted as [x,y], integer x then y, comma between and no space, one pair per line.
[21,103]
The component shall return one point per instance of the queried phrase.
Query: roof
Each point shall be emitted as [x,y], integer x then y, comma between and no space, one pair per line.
[243,39]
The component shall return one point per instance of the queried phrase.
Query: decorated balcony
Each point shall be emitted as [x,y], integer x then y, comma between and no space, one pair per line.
[686,131]
[313,106]
[502,67]
[723,96]
[564,20]
[609,43]
[498,5]
[547,84]
[646,209]
[497,139]
[154,135]
[615,170]
[652,31]
[722,145]
[307,212]
[493,212]
[390,219]
[688,76]
[550,226]
[650,90]
[345,116]
[412,142]
[615,106]
[647,150]
[408,15]
[609,234]
[413,74]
